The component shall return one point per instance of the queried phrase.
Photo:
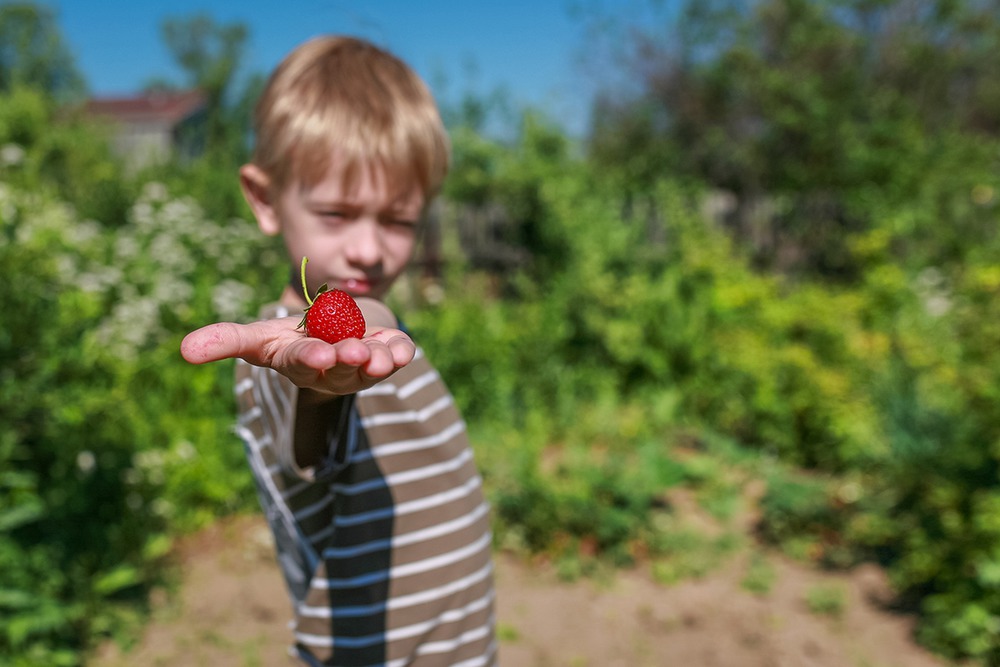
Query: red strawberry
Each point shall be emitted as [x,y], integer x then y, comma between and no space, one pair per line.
[333,315]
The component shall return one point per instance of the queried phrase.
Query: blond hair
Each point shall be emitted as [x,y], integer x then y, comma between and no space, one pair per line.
[347,96]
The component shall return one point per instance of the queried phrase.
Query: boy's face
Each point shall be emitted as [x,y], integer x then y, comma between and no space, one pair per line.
[358,237]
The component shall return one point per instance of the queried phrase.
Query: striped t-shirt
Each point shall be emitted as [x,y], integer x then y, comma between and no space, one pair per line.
[385,542]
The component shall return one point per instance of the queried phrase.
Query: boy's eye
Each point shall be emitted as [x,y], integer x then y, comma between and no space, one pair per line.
[334,217]
[400,224]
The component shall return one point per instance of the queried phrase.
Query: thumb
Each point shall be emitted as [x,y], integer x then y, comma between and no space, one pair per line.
[223,340]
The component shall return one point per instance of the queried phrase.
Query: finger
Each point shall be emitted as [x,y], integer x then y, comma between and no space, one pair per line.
[389,356]
[257,342]
[214,342]
[380,365]
[401,345]
[311,353]
[402,350]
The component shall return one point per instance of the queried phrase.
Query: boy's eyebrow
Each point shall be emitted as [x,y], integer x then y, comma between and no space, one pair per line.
[313,197]
[400,206]
[330,201]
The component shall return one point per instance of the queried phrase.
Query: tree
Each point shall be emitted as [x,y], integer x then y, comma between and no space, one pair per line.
[814,105]
[33,53]
[211,55]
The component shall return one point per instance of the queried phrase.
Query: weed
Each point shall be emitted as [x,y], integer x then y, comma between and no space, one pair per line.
[826,600]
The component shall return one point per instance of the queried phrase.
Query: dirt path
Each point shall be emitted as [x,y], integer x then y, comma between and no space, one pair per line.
[231,611]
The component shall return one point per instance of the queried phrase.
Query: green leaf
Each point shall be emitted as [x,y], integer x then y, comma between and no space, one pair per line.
[16,599]
[30,510]
[117,579]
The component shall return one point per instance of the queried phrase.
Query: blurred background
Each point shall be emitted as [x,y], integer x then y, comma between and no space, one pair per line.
[741,253]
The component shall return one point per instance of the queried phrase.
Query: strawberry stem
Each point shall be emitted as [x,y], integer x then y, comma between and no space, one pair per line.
[305,288]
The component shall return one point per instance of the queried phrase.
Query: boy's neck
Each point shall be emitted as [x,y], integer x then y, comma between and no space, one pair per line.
[292,297]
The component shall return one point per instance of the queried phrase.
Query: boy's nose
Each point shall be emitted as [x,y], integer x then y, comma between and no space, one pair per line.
[365,243]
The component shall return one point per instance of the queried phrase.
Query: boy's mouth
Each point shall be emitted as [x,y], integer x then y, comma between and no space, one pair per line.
[357,286]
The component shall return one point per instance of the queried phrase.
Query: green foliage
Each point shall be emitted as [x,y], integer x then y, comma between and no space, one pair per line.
[828,600]
[109,443]
[32,52]
[759,576]
[642,321]
[211,55]
[602,377]
[44,146]
[811,110]
[854,153]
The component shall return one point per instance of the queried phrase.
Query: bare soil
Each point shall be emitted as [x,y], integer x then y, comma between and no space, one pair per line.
[230,609]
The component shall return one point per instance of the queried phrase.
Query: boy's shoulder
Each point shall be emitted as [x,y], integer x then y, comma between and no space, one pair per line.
[271,311]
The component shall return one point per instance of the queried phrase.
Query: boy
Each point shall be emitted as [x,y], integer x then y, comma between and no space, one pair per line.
[360,456]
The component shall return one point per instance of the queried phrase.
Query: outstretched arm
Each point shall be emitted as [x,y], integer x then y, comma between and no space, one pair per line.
[331,370]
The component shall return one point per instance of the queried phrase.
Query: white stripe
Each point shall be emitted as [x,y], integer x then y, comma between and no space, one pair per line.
[243,386]
[421,415]
[406,476]
[485,659]
[321,535]
[309,510]
[449,616]
[414,537]
[433,594]
[387,387]
[264,475]
[407,570]
[467,637]
[250,415]
[295,490]
[271,395]
[405,508]
[409,507]
[414,444]
[417,383]
[402,601]
[383,388]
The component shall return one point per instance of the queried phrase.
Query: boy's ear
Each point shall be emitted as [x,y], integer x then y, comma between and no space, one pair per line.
[256,186]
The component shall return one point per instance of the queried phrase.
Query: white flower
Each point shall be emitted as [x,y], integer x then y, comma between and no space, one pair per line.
[937,305]
[8,210]
[127,248]
[185,450]
[143,216]
[162,507]
[154,191]
[133,322]
[11,155]
[930,278]
[931,286]
[86,461]
[134,501]
[150,458]
[230,299]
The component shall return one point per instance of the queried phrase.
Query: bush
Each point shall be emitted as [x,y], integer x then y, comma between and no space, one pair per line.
[109,443]
[643,319]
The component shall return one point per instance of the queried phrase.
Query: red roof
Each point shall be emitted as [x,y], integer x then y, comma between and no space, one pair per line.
[162,106]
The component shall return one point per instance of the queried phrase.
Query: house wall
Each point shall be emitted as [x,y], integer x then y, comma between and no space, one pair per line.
[141,143]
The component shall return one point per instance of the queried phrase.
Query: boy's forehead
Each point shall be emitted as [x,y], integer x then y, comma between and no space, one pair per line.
[355,183]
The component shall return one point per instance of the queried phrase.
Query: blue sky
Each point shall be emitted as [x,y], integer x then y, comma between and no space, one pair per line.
[530,48]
